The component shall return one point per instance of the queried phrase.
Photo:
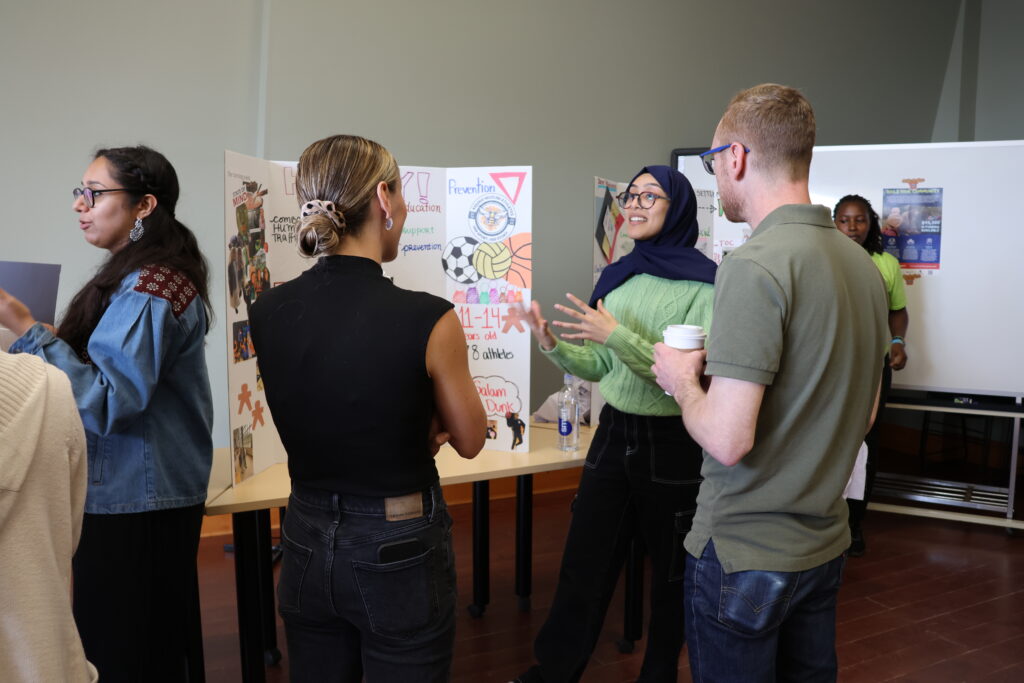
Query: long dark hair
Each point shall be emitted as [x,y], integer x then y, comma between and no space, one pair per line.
[165,241]
[873,241]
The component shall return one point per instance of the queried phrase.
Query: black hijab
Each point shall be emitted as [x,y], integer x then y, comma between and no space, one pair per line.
[670,254]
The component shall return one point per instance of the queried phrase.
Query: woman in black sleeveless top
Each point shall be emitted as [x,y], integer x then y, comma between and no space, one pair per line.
[364,381]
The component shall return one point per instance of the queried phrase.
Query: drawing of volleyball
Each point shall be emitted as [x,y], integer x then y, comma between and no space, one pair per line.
[492,260]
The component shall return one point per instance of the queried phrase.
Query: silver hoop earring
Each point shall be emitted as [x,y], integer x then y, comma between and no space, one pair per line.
[388,224]
[137,230]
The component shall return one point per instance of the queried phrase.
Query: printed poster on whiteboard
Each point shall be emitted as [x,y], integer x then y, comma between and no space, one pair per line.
[911,223]
[467,237]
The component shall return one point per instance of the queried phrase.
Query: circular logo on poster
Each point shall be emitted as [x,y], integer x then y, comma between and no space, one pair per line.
[492,218]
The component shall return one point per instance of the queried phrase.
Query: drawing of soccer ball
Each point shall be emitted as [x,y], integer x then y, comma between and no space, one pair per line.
[457,260]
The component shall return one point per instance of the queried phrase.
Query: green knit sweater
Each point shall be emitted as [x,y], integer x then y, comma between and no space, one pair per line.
[644,305]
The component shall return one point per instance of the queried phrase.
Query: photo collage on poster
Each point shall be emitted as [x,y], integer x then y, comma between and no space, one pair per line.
[260,216]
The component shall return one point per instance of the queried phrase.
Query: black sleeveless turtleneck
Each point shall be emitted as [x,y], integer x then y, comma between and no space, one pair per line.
[342,354]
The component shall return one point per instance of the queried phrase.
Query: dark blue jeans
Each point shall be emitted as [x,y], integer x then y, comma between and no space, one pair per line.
[640,479]
[755,626]
[361,596]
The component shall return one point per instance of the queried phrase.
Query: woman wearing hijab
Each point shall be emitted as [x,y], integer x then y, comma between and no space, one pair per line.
[643,470]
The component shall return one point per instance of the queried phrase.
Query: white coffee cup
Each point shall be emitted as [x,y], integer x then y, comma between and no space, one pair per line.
[684,337]
[687,330]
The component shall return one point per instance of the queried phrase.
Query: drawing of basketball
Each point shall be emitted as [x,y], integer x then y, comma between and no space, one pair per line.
[520,272]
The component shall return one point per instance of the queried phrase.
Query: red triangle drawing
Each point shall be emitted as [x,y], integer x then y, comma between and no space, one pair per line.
[518,176]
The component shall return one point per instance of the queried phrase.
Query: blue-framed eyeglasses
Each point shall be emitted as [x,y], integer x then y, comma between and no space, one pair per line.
[708,157]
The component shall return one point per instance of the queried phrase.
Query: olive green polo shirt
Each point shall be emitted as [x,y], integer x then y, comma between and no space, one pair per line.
[799,308]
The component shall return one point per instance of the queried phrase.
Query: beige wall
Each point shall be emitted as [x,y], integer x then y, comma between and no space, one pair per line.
[573,87]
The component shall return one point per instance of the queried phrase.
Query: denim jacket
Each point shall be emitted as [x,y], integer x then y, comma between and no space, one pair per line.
[144,394]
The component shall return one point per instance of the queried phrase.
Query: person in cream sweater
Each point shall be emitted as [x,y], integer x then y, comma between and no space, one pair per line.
[42,497]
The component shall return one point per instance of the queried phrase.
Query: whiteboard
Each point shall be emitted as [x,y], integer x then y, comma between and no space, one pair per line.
[967,307]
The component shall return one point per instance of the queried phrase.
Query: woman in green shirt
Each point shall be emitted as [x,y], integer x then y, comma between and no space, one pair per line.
[855,217]
[642,472]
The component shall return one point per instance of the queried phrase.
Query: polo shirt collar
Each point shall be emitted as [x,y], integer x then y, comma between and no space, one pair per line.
[804,214]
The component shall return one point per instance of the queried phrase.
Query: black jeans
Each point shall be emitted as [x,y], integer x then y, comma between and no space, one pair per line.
[641,476]
[365,598]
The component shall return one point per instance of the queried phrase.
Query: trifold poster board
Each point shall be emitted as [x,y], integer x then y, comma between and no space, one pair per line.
[946,214]
[467,238]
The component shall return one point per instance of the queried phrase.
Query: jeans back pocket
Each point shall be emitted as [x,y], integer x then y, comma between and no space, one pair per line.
[400,597]
[294,563]
[755,602]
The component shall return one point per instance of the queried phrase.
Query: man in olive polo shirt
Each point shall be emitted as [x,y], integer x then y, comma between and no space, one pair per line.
[794,354]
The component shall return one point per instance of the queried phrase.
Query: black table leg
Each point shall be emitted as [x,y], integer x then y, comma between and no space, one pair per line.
[524,540]
[481,547]
[254,590]
[246,533]
[265,553]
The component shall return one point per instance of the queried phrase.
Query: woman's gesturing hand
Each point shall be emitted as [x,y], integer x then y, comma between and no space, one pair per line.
[595,324]
[538,325]
[14,315]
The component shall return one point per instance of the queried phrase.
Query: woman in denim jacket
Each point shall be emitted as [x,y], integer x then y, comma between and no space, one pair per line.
[131,341]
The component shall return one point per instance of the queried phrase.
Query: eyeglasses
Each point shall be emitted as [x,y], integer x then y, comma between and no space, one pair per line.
[708,157]
[645,199]
[89,195]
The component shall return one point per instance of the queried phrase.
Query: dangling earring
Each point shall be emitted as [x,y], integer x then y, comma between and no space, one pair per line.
[388,224]
[136,232]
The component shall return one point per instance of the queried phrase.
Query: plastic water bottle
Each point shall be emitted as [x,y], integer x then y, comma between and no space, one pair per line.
[568,416]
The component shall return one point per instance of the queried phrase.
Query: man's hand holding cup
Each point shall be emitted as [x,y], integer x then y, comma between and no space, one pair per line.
[680,359]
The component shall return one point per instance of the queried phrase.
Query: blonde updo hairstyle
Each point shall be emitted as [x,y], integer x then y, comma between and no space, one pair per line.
[343,170]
